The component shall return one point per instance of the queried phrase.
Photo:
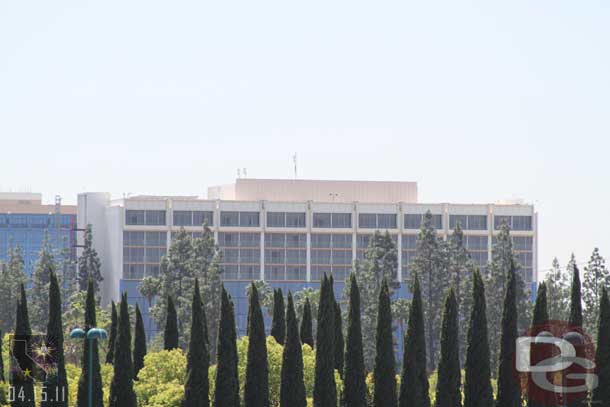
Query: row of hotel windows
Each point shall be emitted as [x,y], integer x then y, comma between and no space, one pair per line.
[286,254]
[34,221]
[321,220]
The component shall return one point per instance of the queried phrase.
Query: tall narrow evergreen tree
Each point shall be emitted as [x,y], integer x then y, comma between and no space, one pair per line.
[509,391]
[83,382]
[121,387]
[170,334]
[197,386]
[601,394]
[139,344]
[384,372]
[354,394]
[414,382]
[114,320]
[278,326]
[292,389]
[89,265]
[57,382]
[477,378]
[256,388]
[307,324]
[226,393]
[539,318]
[324,390]
[339,341]
[2,378]
[21,375]
[575,300]
[39,291]
[448,392]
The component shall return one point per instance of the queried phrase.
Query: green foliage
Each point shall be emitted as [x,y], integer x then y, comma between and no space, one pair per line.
[226,390]
[325,391]
[197,387]
[557,287]
[339,342]
[139,344]
[121,388]
[256,388]
[477,383]
[385,370]
[575,318]
[170,331]
[601,394]
[278,326]
[39,291]
[307,324]
[292,390]
[354,394]
[509,392]
[161,380]
[89,265]
[22,367]
[595,277]
[113,330]
[448,393]
[539,318]
[414,379]
[12,275]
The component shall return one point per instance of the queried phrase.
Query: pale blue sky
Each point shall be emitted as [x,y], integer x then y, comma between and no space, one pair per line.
[476,101]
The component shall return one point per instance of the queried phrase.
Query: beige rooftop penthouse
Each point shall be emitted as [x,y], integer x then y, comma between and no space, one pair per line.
[301,190]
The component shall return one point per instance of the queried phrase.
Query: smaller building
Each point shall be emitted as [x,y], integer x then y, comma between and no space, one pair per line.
[24,221]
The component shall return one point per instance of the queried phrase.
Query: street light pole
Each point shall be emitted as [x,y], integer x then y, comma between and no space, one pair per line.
[91,335]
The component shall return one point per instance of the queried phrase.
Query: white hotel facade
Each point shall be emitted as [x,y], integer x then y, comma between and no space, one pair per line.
[288,232]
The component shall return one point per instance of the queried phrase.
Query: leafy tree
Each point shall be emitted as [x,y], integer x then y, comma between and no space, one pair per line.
[575,299]
[12,275]
[41,277]
[557,289]
[226,391]
[171,327]
[113,331]
[161,380]
[325,392]
[339,342]
[414,380]
[278,326]
[56,383]
[430,264]
[292,392]
[503,258]
[385,370]
[448,393]
[121,388]
[2,378]
[83,382]
[22,367]
[309,295]
[307,324]
[256,389]
[354,394]
[601,394]
[89,264]
[400,311]
[477,375]
[509,394]
[461,268]
[380,261]
[595,277]
[139,344]
[197,387]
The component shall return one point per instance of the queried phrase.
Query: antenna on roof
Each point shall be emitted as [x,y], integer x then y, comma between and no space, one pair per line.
[245,171]
[294,160]
[238,173]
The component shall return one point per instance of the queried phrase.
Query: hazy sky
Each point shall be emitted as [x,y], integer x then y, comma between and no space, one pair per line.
[476,101]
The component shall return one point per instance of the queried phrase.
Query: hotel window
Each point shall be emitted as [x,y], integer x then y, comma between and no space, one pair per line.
[331,254]
[241,255]
[498,220]
[183,218]
[523,242]
[408,251]
[367,220]
[415,221]
[249,219]
[295,219]
[522,223]
[3,221]
[455,219]
[285,256]
[133,217]
[142,253]
[321,220]
[276,219]
[155,218]
[477,222]
[386,221]
[193,218]
[341,220]
[229,218]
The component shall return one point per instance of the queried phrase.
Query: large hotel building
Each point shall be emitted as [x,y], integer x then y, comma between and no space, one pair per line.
[288,232]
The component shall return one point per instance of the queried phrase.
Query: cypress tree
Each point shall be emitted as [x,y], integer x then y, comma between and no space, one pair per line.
[197,386]
[112,338]
[256,388]
[601,394]
[477,384]
[121,387]
[57,382]
[539,318]
[575,300]
[339,342]
[354,394]
[2,379]
[385,371]
[292,389]
[83,382]
[139,344]
[324,390]
[226,393]
[509,391]
[414,380]
[278,326]
[170,335]
[307,325]
[448,393]
[21,377]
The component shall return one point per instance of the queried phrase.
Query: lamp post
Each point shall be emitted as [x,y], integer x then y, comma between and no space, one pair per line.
[91,335]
